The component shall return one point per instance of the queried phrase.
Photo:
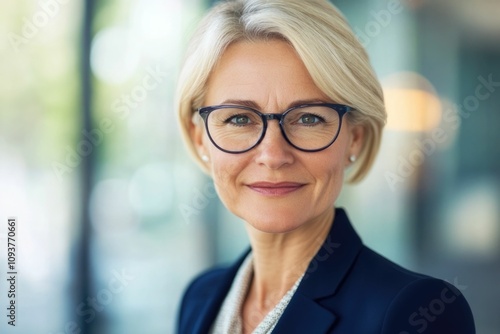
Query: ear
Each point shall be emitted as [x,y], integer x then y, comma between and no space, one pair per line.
[357,139]
[197,134]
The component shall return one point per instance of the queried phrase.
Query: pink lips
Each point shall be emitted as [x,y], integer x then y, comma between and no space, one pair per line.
[275,189]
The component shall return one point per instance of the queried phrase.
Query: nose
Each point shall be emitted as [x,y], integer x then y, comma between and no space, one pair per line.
[274,151]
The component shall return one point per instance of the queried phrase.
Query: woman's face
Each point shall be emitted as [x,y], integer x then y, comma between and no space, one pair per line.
[273,187]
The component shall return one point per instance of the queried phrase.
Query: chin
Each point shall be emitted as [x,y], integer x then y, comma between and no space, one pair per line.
[273,222]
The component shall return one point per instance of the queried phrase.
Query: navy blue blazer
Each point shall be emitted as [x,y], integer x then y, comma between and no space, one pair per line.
[347,289]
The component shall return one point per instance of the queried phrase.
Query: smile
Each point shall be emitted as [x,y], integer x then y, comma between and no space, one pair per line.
[275,189]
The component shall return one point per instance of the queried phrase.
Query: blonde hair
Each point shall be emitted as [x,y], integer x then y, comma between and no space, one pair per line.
[335,59]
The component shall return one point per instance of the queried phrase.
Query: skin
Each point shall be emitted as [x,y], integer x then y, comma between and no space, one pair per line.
[286,226]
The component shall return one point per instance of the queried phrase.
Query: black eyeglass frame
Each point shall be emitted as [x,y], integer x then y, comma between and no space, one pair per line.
[341,110]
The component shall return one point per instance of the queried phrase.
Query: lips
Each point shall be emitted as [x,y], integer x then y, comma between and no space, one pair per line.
[275,189]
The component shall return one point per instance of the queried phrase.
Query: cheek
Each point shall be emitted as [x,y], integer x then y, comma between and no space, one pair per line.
[222,170]
[225,169]
[328,170]
[330,181]
[330,174]
[331,161]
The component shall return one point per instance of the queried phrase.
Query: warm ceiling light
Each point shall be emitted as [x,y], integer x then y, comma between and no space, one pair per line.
[411,103]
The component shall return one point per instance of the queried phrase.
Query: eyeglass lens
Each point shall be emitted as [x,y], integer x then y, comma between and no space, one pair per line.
[238,129]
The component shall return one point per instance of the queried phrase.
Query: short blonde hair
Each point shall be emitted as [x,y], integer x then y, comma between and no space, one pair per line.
[336,61]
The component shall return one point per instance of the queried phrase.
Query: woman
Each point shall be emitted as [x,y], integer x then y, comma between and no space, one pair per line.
[276,100]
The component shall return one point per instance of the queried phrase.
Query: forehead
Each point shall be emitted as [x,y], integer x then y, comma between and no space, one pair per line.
[267,72]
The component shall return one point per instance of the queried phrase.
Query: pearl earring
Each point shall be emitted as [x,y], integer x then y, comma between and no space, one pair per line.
[352,158]
[204,157]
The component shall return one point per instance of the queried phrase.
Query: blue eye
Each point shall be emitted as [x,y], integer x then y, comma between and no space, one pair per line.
[239,120]
[309,119]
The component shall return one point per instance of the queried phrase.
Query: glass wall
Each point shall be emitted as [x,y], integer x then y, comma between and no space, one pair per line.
[113,219]
[431,200]
[39,113]
[123,269]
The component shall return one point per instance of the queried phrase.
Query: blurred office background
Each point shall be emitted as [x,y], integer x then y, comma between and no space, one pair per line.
[113,217]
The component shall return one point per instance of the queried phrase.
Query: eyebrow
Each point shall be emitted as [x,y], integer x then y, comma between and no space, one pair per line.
[255,105]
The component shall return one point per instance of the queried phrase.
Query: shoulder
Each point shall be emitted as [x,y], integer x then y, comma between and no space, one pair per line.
[411,302]
[430,305]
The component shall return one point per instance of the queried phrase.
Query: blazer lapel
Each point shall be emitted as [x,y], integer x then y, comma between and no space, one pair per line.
[209,304]
[304,315]
[326,271]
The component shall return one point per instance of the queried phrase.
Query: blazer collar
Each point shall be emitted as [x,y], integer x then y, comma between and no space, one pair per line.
[323,277]
[333,260]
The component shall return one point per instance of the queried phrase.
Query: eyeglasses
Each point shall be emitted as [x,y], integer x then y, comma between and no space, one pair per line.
[308,127]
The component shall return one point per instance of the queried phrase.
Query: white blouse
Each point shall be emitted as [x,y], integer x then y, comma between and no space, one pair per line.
[229,321]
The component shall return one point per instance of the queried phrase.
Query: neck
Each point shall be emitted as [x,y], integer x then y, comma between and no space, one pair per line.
[280,259]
